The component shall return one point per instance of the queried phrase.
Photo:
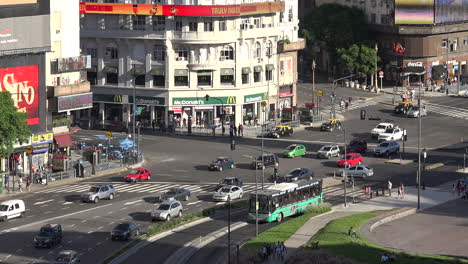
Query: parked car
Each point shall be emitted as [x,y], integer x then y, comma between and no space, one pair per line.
[230,181]
[221,163]
[294,151]
[328,151]
[357,146]
[380,128]
[166,210]
[223,193]
[331,124]
[351,159]
[176,193]
[358,171]
[414,111]
[298,174]
[125,231]
[139,174]
[48,236]
[98,192]
[387,148]
[394,133]
[403,107]
[68,257]
[11,209]
[269,160]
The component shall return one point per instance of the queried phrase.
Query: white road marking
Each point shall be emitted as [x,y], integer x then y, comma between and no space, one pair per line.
[83,221]
[137,201]
[194,202]
[65,208]
[96,216]
[181,170]
[19,250]
[69,242]
[45,205]
[123,208]
[48,212]
[43,202]
[89,232]
[65,203]
[100,227]
[71,225]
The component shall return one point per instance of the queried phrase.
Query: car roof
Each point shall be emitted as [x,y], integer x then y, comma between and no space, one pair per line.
[141,169]
[230,178]
[385,124]
[170,201]
[50,225]
[330,146]
[223,158]
[353,153]
[12,202]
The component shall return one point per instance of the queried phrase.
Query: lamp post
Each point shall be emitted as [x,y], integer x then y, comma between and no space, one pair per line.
[313,81]
[134,112]
[419,141]
[344,171]
[376,73]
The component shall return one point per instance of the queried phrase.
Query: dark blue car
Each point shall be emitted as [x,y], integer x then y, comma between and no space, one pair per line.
[221,163]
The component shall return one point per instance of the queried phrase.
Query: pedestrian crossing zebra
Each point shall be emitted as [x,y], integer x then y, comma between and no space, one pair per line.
[448,110]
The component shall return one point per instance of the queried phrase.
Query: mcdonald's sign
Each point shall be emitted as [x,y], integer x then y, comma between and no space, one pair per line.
[117,98]
[231,100]
[183,101]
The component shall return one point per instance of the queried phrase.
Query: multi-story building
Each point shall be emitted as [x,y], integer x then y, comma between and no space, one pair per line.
[172,54]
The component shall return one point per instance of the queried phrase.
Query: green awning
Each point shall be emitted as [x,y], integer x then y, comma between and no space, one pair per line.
[204,73]
[258,68]
[270,67]
[181,73]
[158,71]
[246,70]
[139,70]
[227,71]
[110,69]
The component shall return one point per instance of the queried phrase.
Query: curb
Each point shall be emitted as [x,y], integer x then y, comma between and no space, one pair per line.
[368,227]
[435,166]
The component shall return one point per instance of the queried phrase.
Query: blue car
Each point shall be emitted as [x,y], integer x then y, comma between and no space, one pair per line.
[387,148]
[221,163]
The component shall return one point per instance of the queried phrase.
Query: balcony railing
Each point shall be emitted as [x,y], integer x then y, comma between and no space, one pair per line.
[284,46]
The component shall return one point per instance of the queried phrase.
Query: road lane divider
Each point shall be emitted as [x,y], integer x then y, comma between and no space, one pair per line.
[43,202]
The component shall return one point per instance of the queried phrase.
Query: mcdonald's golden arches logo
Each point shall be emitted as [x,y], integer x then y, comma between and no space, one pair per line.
[117,98]
[231,100]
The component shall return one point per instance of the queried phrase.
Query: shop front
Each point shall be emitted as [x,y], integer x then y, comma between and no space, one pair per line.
[41,150]
[72,104]
[252,109]
[149,110]
[285,103]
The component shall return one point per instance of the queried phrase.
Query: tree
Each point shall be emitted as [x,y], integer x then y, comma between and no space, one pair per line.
[359,58]
[13,125]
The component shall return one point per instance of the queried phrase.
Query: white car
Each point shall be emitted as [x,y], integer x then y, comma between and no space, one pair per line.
[11,209]
[358,171]
[380,128]
[235,192]
[395,133]
[414,111]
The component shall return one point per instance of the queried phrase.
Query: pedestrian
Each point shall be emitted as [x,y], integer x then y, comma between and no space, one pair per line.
[366,191]
[454,188]
[235,130]
[223,130]
[7,177]
[241,130]
[402,187]
[384,258]
[278,250]
[351,232]
[231,131]
[350,99]
[264,252]
[458,188]
[153,125]
[249,118]
[389,187]
[20,184]
[283,250]
[213,127]
[399,191]
[184,122]
[268,251]
[341,105]
[346,104]
[255,120]
[28,184]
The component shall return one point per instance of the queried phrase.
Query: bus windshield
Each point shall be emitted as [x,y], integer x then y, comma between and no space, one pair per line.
[263,204]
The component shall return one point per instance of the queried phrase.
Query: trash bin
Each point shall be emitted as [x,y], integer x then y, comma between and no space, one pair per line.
[86,169]
[363,114]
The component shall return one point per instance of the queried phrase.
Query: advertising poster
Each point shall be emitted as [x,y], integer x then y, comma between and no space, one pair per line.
[20,33]
[23,84]
[450,11]
[414,12]
[73,64]
[17,2]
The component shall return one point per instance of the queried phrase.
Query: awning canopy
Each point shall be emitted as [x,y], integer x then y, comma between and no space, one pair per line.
[258,68]
[204,73]
[63,140]
[246,70]
[227,71]
[111,69]
[414,70]
[181,73]
[157,71]
[270,67]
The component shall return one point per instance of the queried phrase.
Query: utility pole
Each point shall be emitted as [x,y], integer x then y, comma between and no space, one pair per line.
[419,144]
[376,73]
[344,171]
[313,82]
[256,197]
[134,113]
[263,160]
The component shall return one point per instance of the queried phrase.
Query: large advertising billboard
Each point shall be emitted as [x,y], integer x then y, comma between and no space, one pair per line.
[73,63]
[23,84]
[182,10]
[450,11]
[20,33]
[17,2]
[415,12]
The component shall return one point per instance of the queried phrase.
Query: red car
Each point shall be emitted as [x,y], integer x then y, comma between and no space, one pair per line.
[138,175]
[357,146]
[351,160]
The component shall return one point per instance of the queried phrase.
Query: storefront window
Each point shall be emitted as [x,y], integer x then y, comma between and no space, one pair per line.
[159,80]
[269,75]
[181,80]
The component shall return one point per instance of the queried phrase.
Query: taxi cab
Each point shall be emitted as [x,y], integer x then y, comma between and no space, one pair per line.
[403,107]
[331,124]
[280,131]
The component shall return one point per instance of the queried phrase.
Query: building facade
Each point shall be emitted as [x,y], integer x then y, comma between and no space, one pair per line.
[173,54]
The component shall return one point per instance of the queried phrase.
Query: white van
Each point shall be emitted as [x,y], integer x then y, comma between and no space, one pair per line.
[11,209]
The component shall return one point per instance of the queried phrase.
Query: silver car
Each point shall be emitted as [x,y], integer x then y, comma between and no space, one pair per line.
[166,210]
[414,111]
[99,192]
[235,192]
[328,151]
[358,171]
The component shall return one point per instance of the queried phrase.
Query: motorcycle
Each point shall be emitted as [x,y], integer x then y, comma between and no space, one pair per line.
[39,178]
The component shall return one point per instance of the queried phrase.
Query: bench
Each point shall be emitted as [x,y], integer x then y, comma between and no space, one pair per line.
[314,245]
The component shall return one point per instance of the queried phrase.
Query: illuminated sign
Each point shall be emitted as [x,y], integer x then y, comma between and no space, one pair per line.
[414,12]
[182,10]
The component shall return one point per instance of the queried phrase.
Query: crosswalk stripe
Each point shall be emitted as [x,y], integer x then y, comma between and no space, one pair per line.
[142,189]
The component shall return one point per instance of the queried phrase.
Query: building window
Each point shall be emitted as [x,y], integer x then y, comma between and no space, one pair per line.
[208,26]
[178,25]
[257,77]
[281,18]
[257,23]
[111,53]
[269,49]
[92,52]
[290,15]
[181,54]
[159,80]
[222,26]
[138,22]
[245,78]
[159,23]
[181,78]
[227,53]
[112,78]
[193,26]
[373,18]
[227,76]
[443,44]
[454,45]
[258,50]
[159,53]
[204,78]
[269,75]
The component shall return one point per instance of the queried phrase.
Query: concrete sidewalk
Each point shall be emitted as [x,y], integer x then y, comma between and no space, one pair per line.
[429,198]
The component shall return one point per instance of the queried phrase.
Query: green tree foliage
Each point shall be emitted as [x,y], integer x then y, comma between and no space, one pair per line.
[359,58]
[334,26]
[13,125]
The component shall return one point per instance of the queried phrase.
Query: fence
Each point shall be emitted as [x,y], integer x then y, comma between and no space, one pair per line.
[60,176]
[457,89]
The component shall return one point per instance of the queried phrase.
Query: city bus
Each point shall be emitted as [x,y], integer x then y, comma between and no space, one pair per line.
[285,199]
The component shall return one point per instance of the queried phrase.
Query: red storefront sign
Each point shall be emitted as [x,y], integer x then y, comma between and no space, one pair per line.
[23,84]
[182,10]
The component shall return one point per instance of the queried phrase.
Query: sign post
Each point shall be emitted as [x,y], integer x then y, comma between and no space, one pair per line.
[381,75]
[109,136]
[319,94]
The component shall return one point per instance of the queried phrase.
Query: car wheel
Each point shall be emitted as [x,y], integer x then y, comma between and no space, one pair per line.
[168,218]
[179,215]
[240,195]
[111,196]
[328,156]
[220,168]
[186,198]
[96,200]
[292,155]
[3,219]
[233,166]
[279,218]
[364,175]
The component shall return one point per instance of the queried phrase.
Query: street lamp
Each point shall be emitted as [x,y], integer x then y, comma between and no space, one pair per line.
[134,112]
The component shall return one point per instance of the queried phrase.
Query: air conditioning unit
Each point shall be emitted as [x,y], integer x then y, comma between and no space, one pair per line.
[180,59]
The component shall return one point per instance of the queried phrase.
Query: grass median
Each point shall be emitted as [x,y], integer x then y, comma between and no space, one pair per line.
[334,238]
[285,230]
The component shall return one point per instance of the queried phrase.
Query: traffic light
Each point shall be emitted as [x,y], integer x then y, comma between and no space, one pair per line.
[275,174]
[233,144]
[207,97]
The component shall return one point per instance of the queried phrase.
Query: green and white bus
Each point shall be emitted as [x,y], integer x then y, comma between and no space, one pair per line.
[285,199]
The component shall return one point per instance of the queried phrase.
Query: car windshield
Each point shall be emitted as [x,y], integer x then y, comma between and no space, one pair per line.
[327,124]
[295,172]
[228,181]
[163,207]
[354,143]
[263,204]
[259,158]
[389,130]
[225,190]
[414,108]
[134,172]
[172,192]
[3,207]
[45,233]
[94,189]
[291,147]
[326,148]
[384,145]
[64,257]
[122,227]
[381,127]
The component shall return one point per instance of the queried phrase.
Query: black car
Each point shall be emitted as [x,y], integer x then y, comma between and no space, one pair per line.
[125,231]
[49,236]
[297,175]
[68,257]
[180,194]
[330,125]
[230,181]
[221,163]
[269,160]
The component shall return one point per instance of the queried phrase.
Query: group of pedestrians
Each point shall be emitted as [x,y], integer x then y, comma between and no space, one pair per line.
[401,189]
[461,188]
[275,250]
[19,181]
[234,130]
[344,103]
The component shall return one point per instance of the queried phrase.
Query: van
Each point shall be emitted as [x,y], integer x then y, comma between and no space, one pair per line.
[11,209]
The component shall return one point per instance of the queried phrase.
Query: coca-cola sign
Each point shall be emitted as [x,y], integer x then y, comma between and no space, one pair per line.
[23,84]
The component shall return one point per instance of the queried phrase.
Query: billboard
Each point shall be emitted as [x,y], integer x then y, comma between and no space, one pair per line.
[21,33]
[73,63]
[414,12]
[182,10]
[74,102]
[450,11]
[17,2]
[23,84]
